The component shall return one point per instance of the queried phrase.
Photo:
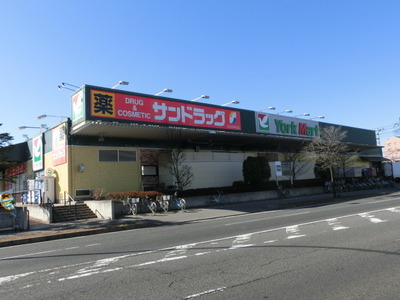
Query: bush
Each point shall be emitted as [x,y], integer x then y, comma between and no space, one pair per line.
[241,187]
[239,183]
[256,170]
[120,196]
[98,194]
[237,187]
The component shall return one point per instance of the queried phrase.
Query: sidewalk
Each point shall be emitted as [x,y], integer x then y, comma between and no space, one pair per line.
[39,232]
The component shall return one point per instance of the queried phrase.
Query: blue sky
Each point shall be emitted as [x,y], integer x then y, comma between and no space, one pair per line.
[339,59]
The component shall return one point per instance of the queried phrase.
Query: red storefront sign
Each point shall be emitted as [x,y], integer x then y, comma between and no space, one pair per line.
[59,145]
[144,109]
[16,170]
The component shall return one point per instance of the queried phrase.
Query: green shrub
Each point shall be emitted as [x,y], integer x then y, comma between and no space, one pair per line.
[119,196]
[256,170]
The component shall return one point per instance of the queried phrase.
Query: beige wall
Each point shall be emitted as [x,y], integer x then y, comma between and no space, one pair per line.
[210,169]
[61,175]
[111,176]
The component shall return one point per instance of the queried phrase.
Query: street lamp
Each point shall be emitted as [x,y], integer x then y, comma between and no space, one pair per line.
[231,102]
[42,126]
[268,108]
[201,97]
[67,86]
[164,91]
[52,116]
[318,117]
[286,111]
[120,83]
[303,115]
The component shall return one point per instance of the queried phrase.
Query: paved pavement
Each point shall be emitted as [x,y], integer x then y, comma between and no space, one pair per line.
[39,232]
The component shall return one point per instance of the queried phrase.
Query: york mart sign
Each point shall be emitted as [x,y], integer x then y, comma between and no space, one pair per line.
[276,124]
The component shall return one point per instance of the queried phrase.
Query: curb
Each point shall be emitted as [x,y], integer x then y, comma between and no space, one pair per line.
[69,233]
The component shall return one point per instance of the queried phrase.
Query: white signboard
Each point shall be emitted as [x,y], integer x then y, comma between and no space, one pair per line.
[278,168]
[276,124]
[37,156]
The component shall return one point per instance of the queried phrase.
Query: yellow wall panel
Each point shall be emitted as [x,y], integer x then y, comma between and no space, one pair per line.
[111,176]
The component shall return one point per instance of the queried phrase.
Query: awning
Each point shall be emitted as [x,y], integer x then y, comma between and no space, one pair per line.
[374,158]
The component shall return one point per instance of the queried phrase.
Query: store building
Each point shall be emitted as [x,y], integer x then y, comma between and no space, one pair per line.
[122,141]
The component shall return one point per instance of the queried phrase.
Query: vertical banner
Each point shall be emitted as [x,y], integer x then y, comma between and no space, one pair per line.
[59,145]
[278,168]
[78,107]
[37,157]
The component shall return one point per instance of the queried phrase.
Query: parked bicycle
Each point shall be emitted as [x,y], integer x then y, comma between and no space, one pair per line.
[163,202]
[283,192]
[216,199]
[150,204]
[178,203]
[130,206]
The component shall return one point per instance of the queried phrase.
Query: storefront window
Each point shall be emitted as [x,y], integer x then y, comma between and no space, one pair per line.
[117,155]
[149,170]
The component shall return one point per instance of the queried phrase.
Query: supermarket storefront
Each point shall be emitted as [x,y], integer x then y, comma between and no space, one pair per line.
[120,141]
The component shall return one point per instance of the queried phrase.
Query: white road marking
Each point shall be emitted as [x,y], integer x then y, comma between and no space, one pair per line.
[270,241]
[270,218]
[382,200]
[336,224]
[293,232]
[10,278]
[95,267]
[221,289]
[48,251]
[179,250]
[371,218]
[233,247]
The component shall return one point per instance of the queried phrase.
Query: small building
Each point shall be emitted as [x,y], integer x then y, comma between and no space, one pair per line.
[392,148]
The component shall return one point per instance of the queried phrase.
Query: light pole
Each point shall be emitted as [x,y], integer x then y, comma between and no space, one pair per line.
[67,86]
[378,135]
[288,111]
[120,83]
[268,108]
[303,115]
[231,102]
[164,91]
[42,126]
[318,117]
[51,116]
[201,97]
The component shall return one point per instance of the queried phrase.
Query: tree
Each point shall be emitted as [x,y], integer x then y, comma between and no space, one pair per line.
[181,172]
[298,165]
[347,159]
[328,150]
[256,170]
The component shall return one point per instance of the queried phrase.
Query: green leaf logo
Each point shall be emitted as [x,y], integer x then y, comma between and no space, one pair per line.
[263,121]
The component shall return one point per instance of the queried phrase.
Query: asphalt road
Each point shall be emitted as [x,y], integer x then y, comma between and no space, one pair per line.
[347,250]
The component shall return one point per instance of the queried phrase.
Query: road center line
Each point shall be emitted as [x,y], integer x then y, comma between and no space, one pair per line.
[274,217]
[10,278]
